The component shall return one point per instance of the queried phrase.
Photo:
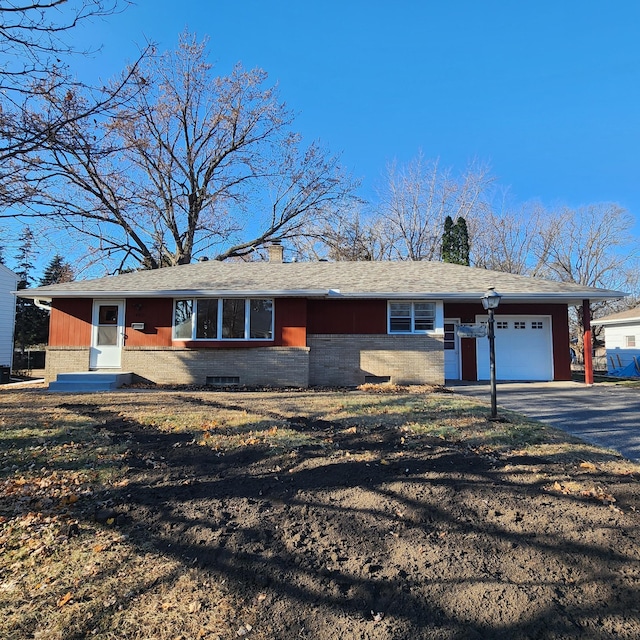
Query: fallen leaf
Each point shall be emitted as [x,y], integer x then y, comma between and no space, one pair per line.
[65,598]
[599,494]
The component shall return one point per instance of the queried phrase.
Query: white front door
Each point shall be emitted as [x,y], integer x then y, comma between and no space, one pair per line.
[451,349]
[108,334]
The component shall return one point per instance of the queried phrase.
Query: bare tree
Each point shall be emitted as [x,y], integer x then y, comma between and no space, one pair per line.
[416,199]
[508,239]
[592,246]
[34,36]
[192,163]
[35,49]
[349,235]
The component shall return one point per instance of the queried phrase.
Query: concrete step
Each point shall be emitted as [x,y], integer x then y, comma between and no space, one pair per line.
[88,381]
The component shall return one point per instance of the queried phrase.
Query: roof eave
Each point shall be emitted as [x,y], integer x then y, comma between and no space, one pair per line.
[571,298]
[170,293]
[606,323]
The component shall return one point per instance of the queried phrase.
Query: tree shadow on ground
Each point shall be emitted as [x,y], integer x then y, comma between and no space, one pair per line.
[365,539]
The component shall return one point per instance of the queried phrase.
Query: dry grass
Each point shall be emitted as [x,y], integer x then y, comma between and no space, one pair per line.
[57,467]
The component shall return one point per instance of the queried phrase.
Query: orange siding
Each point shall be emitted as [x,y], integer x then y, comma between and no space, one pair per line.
[289,325]
[70,323]
[156,315]
[291,322]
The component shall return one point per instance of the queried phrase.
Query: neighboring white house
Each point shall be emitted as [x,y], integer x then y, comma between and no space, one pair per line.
[622,342]
[8,284]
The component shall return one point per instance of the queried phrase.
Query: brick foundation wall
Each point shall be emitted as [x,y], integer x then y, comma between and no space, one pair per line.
[329,360]
[349,359]
[65,360]
[269,366]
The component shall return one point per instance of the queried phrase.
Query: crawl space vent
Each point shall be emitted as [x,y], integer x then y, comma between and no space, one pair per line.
[377,379]
[223,381]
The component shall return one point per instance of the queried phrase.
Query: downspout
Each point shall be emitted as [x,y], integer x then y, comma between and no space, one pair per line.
[587,343]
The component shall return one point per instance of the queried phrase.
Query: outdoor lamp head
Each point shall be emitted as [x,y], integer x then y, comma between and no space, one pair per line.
[491,299]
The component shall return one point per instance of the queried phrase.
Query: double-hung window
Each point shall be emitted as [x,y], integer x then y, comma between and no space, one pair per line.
[223,319]
[411,316]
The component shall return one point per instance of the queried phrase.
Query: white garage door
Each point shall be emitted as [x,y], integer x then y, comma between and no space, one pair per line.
[523,348]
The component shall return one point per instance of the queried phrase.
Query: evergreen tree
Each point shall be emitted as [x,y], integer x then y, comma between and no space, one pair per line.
[448,241]
[57,271]
[455,241]
[462,242]
[31,323]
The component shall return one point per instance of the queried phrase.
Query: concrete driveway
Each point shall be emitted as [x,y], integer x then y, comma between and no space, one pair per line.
[604,415]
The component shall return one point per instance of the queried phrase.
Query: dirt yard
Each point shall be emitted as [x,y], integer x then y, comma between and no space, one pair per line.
[327,515]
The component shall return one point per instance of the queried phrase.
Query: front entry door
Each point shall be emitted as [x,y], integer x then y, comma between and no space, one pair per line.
[108,334]
[451,349]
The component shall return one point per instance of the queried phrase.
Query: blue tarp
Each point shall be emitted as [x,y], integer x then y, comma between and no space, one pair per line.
[630,371]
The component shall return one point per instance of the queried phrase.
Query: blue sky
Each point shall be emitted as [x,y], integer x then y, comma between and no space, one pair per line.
[545,92]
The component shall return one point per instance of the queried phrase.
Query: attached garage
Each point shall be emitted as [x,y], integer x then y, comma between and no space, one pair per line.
[523,348]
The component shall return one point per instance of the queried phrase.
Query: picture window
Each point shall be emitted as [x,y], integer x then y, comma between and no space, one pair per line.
[223,319]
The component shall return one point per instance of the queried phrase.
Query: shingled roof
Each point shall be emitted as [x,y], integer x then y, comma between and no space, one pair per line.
[324,279]
[622,317]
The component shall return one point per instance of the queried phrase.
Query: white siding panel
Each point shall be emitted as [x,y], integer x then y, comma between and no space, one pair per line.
[619,355]
[8,283]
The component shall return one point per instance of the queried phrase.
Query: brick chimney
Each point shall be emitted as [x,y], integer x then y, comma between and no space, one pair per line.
[275,251]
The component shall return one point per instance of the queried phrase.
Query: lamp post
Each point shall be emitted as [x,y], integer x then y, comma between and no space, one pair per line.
[490,301]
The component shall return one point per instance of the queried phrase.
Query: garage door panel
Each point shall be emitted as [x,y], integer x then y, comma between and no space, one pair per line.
[523,348]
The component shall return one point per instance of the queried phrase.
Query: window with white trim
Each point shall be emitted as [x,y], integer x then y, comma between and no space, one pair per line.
[537,324]
[223,319]
[407,316]
[519,325]
[630,342]
[502,324]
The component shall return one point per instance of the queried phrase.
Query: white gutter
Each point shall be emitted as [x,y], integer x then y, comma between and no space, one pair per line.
[606,323]
[573,297]
[172,293]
